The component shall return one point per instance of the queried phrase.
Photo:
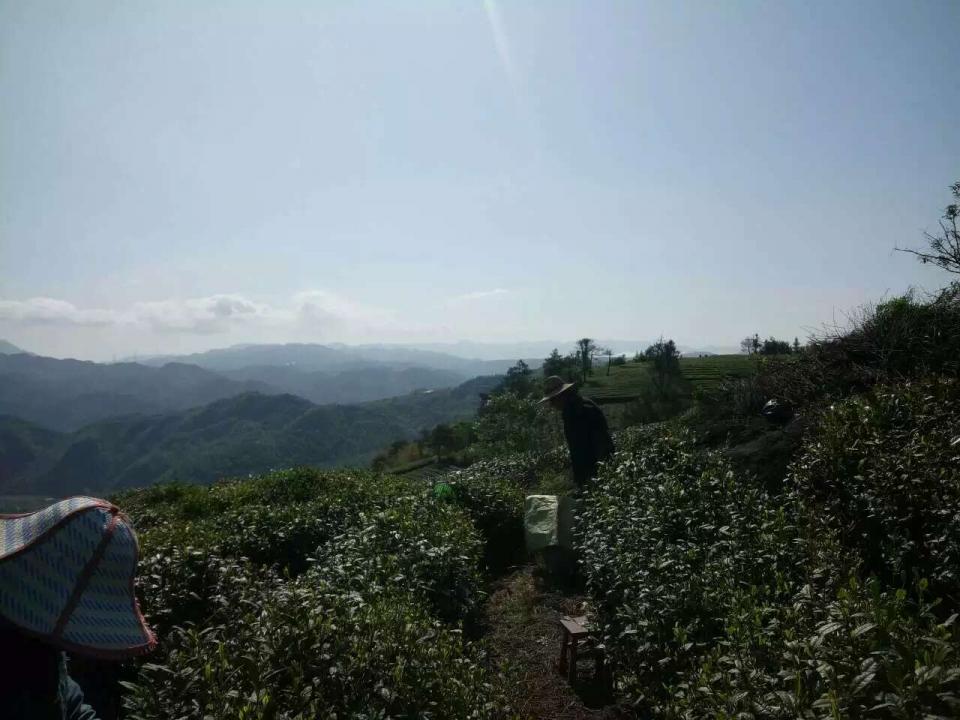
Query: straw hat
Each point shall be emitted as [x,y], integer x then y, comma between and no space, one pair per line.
[66,577]
[553,386]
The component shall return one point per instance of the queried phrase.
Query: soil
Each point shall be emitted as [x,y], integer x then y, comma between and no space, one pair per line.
[523,635]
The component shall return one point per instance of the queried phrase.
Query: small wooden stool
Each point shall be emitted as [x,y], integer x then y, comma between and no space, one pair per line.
[574,630]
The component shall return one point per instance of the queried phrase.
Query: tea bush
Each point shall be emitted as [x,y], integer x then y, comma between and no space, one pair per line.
[669,541]
[305,594]
[718,599]
[489,492]
[884,470]
[309,650]
[429,550]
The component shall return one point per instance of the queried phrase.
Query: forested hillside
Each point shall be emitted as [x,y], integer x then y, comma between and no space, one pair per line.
[68,394]
[65,395]
[249,433]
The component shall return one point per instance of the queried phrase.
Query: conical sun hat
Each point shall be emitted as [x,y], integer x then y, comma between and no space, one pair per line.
[553,386]
[66,577]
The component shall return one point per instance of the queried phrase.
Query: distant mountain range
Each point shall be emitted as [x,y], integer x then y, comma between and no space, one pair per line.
[248,433]
[8,348]
[308,357]
[68,394]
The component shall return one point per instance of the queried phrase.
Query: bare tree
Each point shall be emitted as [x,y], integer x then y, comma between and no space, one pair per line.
[608,354]
[945,247]
[750,345]
[586,349]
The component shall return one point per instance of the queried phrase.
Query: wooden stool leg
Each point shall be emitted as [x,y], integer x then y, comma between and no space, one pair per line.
[602,675]
[562,665]
[572,670]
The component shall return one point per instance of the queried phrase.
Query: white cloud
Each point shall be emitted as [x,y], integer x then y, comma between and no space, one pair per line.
[213,314]
[479,295]
[312,312]
[49,311]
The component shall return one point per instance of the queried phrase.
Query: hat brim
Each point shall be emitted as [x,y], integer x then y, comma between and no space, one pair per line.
[555,393]
[66,577]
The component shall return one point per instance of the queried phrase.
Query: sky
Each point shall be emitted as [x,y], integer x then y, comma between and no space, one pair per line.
[182,175]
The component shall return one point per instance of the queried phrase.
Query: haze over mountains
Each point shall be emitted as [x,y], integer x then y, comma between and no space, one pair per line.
[247,433]
[69,426]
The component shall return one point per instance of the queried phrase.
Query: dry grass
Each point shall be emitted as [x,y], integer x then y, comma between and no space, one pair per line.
[523,634]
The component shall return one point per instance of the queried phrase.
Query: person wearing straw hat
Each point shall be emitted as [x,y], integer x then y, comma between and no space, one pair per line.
[584,426]
[66,584]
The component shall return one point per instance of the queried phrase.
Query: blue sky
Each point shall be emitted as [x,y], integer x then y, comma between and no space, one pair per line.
[182,175]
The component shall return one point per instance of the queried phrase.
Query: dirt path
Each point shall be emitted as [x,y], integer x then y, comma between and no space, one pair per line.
[523,633]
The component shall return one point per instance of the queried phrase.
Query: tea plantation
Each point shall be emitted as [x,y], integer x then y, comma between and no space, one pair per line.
[632,379]
[829,591]
[308,594]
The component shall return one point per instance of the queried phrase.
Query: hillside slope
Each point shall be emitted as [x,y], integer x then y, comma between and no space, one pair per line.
[22,444]
[68,394]
[249,433]
[352,385]
[312,357]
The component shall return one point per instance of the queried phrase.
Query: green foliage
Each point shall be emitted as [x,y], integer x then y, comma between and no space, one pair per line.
[509,424]
[772,346]
[305,594]
[490,493]
[670,539]
[900,339]
[308,649]
[242,435]
[519,381]
[631,380]
[657,402]
[564,366]
[426,549]
[884,469]
[717,599]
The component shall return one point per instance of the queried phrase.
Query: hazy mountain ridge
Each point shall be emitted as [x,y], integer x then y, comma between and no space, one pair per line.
[21,444]
[68,394]
[8,348]
[350,385]
[334,358]
[248,433]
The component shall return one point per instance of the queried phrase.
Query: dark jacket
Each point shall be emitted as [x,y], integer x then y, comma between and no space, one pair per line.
[588,437]
[34,683]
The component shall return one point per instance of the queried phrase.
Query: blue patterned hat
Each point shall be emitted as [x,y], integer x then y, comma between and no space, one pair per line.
[66,576]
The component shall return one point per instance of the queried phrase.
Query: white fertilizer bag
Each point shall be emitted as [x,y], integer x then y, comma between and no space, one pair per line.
[548,521]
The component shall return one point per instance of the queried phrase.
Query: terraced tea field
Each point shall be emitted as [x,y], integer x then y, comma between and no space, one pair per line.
[708,372]
[626,382]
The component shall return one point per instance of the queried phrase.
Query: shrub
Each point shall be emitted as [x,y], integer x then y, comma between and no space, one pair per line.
[669,540]
[508,423]
[717,599]
[307,594]
[901,339]
[858,652]
[490,493]
[884,469]
[427,549]
[309,650]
